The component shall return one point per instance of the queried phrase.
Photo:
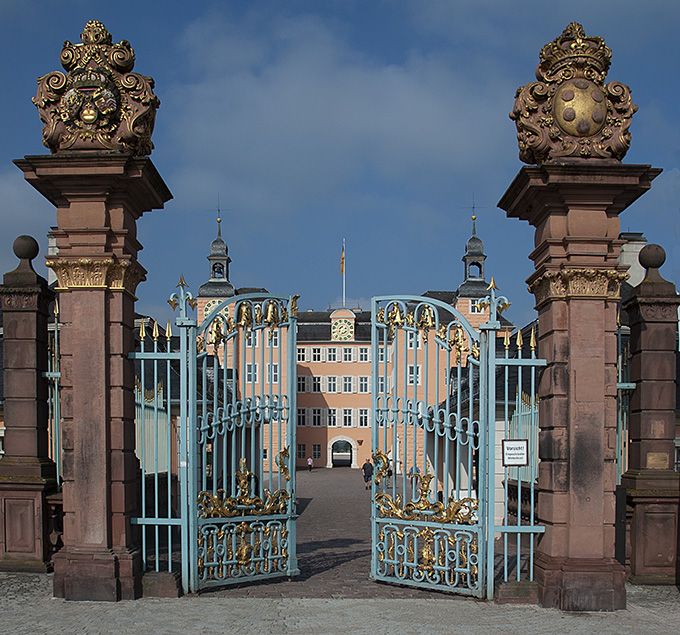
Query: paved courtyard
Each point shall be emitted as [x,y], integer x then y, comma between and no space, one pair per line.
[331,595]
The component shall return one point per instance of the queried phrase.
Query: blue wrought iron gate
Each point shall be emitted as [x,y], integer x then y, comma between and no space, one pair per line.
[442,404]
[225,435]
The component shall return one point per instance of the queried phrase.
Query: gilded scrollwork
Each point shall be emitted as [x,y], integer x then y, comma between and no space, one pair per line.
[220,505]
[570,111]
[381,470]
[604,284]
[282,461]
[460,512]
[99,103]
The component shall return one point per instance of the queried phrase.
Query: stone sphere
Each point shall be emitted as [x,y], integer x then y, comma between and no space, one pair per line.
[26,247]
[652,256]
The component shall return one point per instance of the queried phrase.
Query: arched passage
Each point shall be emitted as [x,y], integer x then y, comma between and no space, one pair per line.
[353,444]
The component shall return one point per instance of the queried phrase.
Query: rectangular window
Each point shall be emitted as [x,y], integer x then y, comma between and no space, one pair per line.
[264,454]
[346,384]
[363,384]
[413,340]
[251,373]
[316,384]
[346,354]
[301,357]
[273,338]
[252,339]
[302,416]
[363,417]
[301,451]
[316,417]
[347,417]
[364,354]
[381,384]
[273,373]
[316,451]
[381,354]
[413,375]
[332,417]
[332,384]
[302,384]
[475,308]
[316,354]
[332,354]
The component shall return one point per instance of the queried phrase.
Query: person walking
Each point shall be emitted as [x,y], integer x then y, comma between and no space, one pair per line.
[310,463]
[367,471]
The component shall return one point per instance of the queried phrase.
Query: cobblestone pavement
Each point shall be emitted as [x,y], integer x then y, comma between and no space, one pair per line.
[331,595]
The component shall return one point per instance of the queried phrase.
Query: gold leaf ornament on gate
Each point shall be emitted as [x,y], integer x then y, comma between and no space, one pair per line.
[220,505]
[460,512]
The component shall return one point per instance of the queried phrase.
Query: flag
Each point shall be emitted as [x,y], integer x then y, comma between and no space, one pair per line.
[342,259]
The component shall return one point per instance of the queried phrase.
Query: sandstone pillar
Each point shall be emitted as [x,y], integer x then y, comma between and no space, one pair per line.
[652,485]
[575,128]
[27,474]
[98,121]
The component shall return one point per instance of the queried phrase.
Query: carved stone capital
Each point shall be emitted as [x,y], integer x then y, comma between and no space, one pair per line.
[577,283]
[87,273]
[652,309]
[33,298]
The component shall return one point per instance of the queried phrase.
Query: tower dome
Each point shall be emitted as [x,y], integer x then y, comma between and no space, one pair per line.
[218,285]
[474,285]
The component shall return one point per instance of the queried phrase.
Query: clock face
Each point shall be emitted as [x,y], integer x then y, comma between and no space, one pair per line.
[211,305]
[342,330]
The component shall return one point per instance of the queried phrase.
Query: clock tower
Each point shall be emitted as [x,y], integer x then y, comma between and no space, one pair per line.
[218,287]
[342,325]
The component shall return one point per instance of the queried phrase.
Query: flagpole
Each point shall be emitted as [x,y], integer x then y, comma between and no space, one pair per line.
[343,273]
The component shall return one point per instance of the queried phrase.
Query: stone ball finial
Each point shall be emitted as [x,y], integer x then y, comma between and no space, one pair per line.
[652,256]
[26,248]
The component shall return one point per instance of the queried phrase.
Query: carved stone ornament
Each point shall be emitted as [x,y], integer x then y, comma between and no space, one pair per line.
[99,104]
[104,274]
[570,111]
[577,283]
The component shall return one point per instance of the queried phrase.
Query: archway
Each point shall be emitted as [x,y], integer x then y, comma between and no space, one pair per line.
[351,460]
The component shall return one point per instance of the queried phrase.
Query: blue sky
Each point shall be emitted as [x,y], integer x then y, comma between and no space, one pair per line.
[376,121]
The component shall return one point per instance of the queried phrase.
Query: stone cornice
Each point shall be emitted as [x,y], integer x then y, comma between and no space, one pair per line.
[87,273]
[663,309]
[566,284]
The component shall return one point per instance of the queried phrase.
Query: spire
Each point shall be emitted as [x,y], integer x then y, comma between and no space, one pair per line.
[474,285]
[218,284]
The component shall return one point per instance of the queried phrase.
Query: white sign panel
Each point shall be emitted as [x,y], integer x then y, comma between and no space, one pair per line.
[515,452]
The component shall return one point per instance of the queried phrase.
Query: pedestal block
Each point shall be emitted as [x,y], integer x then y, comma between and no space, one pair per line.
[99,197]
[27,474]
[652,488]
[574,206]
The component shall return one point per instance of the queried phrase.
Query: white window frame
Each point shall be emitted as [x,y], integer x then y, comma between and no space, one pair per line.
[332,384]
[302,354]
[348,383]
[331,354]
[316,384]
[252,373]
[317,415]
[364,385]
[415,372]
[411,337]
[317,354]
[252,339]
[272,338]
[364,418]
[302,416]
[272,373]
[332,418]
[364,354]
[302,383]
[347,417]
[475,308]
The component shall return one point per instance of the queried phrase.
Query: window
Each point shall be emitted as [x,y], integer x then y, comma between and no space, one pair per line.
[316,451]
[316,354]
[251,373]
[316,384]
[413,340]
[381,354]
[332,383]
[273,339]
[332,354]
[347,417]
[347,384]
[302,384]
[302,416]
[364,354]
[264,454]
[347,354]
[332,417]
[363,417]
[413,375]
[301,451]
[273,373]
[363,384]
[381,384]
[252,338]
[316,417]
[475,308]
[301,356]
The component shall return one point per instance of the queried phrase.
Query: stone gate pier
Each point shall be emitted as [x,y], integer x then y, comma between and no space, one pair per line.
[573,128]
[98,118]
